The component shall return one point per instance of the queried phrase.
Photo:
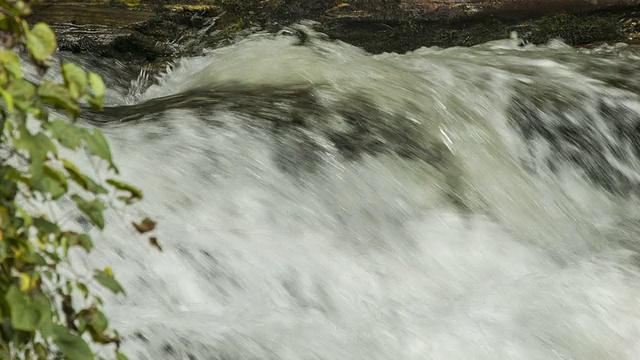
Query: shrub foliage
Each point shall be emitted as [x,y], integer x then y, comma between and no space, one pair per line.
[44,311]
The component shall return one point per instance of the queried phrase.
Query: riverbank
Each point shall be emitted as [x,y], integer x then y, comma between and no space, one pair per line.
[152,32]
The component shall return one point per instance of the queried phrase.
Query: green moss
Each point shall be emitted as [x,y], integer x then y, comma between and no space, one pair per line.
[573,29]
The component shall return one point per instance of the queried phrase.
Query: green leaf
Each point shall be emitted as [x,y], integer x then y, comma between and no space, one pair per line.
[22,92]
[121,356]
[97,85]
[83,289]
[11,62]
[45,226]
[51,182]
[81,179]
[21,88]
[67,134]
[8,57]
[28,312]
[82,323]
[21,7]
[93,209]
[98,146]
[8,99]
[34,258]
[73,347]
[59,97]
[75,239]
[4,249]
[85,241]
[27,282]
[44,143]
[135,192]
[99,321]
[108,281]
[16,7]
[41,42]
[41,351]
[75,78]
[8,185]
[38,147]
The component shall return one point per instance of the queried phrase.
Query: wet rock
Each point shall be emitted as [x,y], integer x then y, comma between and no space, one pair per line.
[157,31]
[592,136]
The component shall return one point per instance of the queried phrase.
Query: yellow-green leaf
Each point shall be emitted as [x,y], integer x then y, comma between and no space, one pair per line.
[22,92]
[11,62]
[25,282]
[98,88]
[8,99]
[75,78]
[41,42]
[8,57]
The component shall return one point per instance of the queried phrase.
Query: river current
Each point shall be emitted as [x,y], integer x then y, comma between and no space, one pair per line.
[315,201]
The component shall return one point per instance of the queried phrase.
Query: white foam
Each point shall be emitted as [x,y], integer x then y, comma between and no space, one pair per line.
[365,260]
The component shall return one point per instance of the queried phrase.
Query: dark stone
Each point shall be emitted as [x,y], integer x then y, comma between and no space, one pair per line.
[580,135]
[157,31]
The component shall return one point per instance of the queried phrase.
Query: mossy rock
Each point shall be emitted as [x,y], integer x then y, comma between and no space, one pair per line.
[156,31]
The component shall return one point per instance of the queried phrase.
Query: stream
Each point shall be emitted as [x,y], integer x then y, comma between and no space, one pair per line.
[315,201]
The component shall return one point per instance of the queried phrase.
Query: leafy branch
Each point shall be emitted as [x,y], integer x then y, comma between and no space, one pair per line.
[38,314]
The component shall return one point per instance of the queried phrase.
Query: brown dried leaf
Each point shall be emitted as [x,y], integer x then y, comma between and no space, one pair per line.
[145,225]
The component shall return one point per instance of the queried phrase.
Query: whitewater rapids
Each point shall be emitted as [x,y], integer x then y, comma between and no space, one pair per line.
[318,202]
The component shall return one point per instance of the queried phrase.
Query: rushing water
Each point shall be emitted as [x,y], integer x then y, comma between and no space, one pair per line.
[318,202]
